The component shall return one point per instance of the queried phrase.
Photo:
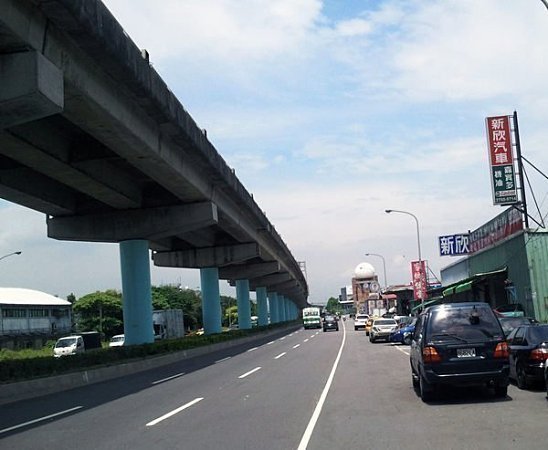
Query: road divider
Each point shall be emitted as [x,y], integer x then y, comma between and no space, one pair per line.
[316,414]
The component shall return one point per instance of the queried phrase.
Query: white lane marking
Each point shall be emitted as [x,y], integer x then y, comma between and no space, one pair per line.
[224,359]
[251,349]
[312,336]
[40,419]
[249,373]
[316,414]
[306,340]
[280,355]
[291,335]
[270,343]
[298,345]
[281,339]
[402,350]
[169,378]
[175,411]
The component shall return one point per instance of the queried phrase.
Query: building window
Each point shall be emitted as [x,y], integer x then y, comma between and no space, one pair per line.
[39,312]
[58,313]
[14,312]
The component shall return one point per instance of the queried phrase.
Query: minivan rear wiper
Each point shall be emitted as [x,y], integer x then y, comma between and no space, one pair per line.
[452,336]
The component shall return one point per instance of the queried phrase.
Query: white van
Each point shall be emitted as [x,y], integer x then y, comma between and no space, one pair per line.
[70,345]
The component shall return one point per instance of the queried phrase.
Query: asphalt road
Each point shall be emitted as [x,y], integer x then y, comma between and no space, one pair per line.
[306,389]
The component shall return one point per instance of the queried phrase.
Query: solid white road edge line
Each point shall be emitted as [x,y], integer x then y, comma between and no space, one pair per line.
[40,419]
[169,378]
[175,411]
[280,355]
[249,373]
[316,414]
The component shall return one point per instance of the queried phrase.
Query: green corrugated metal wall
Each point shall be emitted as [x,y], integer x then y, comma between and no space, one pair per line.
[537,253]
[509,254]
[526,256]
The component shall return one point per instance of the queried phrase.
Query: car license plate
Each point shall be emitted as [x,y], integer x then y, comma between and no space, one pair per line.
[466,352]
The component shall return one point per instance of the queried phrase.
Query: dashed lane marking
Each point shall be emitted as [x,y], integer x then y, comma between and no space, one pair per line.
[224,359]
[249,373]
[175,411]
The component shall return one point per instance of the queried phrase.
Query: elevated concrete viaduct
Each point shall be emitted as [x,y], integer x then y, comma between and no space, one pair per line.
[91,136]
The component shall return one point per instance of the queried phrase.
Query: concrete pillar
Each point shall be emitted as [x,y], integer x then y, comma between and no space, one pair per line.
[279,300]
[244,307]
[211,300]
[289,303]
[262,306]
[273,303]
[281,305]
[136,292]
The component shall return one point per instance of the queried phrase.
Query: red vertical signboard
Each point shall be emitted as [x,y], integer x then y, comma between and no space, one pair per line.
[501,160]
[418,272]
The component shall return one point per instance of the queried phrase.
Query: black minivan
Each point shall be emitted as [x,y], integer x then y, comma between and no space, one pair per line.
[459,344]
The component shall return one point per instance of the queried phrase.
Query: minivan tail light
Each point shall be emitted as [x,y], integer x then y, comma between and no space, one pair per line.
[501,350]
[539,354]
[430,355]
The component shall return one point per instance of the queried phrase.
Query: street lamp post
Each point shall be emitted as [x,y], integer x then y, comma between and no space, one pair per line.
[383,266]
[10,254]
[388,211]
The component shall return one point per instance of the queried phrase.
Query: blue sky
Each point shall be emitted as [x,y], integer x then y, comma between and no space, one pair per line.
[331,112]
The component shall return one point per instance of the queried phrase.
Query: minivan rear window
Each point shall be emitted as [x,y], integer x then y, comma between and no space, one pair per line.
[463,323]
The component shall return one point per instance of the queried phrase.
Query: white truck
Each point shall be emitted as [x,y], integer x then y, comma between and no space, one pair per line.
[77,343]
[312,317]
[168,323]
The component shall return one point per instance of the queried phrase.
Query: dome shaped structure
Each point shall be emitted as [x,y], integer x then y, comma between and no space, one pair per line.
[364,271]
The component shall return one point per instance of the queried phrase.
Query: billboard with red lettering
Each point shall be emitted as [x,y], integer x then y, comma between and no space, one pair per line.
[418,273]
[501,160]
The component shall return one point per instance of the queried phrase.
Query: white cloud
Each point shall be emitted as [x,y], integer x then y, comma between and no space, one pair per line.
[354,27]
[471,50]
[217,29]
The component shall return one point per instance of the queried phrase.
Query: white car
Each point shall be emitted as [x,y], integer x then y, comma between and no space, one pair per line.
[117,341]
[360,321]
[381,329]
